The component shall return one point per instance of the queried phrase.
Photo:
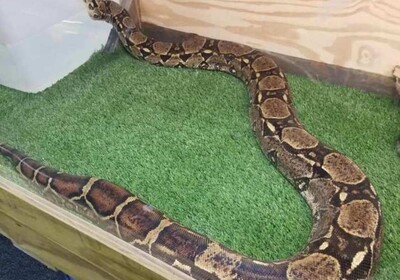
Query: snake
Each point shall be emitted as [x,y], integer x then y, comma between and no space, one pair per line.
[347,221]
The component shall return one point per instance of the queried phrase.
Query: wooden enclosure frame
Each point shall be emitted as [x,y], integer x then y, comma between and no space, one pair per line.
[312,69]
[349,47]
[64,241]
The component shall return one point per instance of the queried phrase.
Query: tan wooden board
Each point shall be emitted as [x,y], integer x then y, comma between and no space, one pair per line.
[299,66]
[362,35]
[256,23]
[64,241]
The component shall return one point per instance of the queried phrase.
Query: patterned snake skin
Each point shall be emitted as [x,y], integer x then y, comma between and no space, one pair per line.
[347,222]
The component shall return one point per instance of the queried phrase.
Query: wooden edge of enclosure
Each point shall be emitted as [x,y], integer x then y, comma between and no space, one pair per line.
[331,73]
[63,241]
[312,69]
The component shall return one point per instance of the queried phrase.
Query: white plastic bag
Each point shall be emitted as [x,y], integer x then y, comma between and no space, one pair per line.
[42,41]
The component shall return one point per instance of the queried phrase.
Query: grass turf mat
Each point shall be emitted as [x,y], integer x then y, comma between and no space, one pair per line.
[181,140]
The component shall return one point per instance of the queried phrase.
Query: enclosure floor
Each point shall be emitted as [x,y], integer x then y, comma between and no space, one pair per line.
[181,140]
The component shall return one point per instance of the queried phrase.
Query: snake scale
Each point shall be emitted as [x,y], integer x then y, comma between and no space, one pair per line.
[346,236]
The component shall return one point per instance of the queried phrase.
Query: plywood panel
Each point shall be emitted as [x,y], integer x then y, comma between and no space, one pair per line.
[357,34]
[66,242]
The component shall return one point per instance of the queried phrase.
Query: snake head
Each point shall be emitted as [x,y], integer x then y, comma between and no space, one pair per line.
[97,9]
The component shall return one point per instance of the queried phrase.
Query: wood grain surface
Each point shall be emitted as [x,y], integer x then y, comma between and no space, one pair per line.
[356,34]
[64,241]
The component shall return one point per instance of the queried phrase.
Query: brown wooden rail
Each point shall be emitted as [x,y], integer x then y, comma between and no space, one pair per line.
[64,241]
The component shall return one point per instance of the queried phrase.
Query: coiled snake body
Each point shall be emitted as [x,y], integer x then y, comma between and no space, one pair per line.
[347,223]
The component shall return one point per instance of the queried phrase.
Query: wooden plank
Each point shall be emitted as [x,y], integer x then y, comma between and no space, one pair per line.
[48,252]
[354,34]
[299,66]
[135,12]
[64,241]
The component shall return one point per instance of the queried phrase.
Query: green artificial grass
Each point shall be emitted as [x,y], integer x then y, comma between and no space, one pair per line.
[181,140]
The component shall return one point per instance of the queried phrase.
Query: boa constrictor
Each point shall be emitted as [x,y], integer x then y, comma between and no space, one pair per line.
[346,236]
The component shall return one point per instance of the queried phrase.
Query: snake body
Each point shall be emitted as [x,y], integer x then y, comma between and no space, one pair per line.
[345,240]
